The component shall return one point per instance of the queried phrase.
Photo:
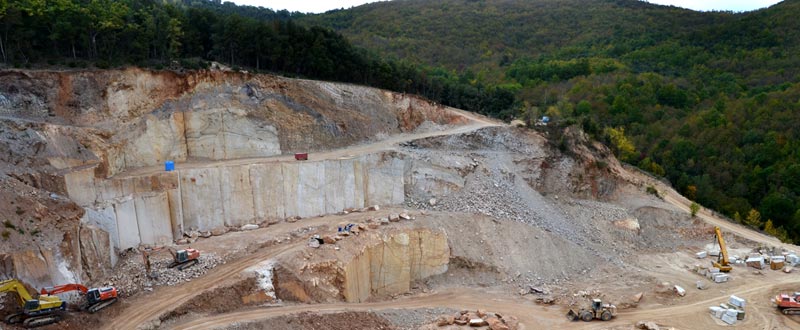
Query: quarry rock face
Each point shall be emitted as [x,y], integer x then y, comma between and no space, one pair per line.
[371,264]
[94,138]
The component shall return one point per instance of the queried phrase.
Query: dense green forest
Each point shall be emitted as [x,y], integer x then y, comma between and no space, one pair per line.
[706,100]
[189,33]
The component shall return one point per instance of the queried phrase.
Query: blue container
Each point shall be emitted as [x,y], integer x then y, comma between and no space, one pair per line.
[169,165]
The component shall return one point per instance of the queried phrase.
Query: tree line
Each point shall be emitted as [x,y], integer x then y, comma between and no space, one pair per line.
[106,33]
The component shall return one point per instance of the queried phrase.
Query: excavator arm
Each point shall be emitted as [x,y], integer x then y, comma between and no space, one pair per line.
[723,263]
[16,286]
[53,290]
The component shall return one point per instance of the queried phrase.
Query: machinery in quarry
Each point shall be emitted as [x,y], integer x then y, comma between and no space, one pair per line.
[598,310]
[35,312]
[181,258]
[788,304]
[96,298]
[723,263]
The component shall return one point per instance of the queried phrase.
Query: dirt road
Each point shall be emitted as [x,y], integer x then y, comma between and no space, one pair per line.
[687,315]
[475,122]
[144,308]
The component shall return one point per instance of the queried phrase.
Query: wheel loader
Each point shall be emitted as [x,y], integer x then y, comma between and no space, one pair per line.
[598,311]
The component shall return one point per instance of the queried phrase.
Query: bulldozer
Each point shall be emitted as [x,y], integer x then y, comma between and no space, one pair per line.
[181,259]
[35,312]
[96,298]
[598,311]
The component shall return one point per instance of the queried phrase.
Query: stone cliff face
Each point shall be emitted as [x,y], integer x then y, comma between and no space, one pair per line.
[84,134]
[372,265]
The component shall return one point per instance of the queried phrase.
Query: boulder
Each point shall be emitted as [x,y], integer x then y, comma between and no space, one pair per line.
[479,322]
[328,239]
[394,217]
[460,322]
[249,226]
[647,325]
[702,285]
[445,320]
[205,234]
[496,324]
[405,216]
[637,297]
[384,221]
[511,322]
[374,208]
[481,313]
[220,230]
[373,225]
[432,201]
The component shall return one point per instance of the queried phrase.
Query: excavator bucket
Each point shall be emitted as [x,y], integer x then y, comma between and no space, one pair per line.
[572,315]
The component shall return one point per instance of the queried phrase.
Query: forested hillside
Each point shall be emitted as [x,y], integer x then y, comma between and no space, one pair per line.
[708,100]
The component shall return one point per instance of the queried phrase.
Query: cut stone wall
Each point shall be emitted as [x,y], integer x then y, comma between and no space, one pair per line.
[157,209]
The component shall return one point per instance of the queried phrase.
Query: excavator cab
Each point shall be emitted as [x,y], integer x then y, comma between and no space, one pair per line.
[181,256]
[93,296]
[31,305]
[597,304]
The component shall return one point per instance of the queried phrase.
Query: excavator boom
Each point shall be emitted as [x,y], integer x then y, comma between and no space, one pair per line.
[54,290]
[723,263]
[36,312]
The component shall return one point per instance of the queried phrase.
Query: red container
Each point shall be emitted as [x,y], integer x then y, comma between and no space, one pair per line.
[301,156]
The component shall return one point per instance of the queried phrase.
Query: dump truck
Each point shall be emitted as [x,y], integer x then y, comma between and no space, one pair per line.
[598,311]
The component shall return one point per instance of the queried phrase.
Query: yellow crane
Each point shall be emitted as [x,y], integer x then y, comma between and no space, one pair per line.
[722,262]
[35,312]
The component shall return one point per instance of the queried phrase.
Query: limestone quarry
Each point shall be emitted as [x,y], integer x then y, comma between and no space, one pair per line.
[406,215]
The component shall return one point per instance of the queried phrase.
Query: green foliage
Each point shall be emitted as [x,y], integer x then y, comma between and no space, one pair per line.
[8,224]
[653,191]
[753,219]
[623,147]
[694,208]
[6,234]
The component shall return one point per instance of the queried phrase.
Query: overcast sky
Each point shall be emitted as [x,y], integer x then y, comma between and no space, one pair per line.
[320,6]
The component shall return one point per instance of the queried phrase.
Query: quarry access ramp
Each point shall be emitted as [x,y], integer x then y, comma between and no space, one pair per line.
[475,122]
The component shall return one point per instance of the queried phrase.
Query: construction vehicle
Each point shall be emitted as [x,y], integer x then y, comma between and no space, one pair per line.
[182,258]
[35,312]
[599,310]
[96,298]
[788,304]
[722,262]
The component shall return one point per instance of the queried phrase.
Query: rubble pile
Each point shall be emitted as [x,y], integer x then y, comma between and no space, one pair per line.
[479,319]
[130,277]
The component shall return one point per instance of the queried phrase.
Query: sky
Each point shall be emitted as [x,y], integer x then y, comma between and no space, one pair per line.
[321,6]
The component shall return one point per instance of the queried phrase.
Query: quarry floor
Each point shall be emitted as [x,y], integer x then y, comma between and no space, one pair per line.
[244,249]
[459,288]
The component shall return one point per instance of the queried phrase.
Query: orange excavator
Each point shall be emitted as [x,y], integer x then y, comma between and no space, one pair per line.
[96,298]
[182,259]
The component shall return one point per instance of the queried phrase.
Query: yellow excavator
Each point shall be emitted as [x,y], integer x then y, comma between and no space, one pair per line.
[35,312]
[722,262]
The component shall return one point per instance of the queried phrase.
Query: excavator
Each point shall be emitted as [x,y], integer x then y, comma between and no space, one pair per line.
[96,298]
[722,262]
[35,312]
[181,258]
